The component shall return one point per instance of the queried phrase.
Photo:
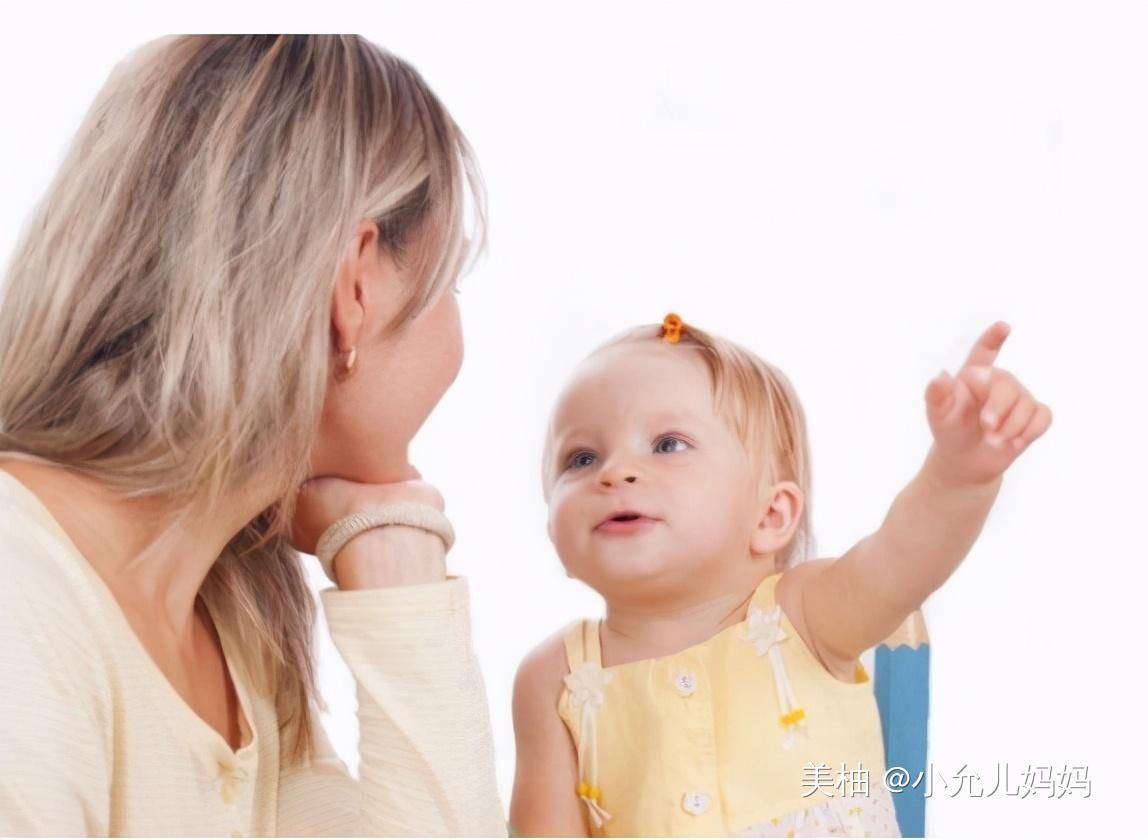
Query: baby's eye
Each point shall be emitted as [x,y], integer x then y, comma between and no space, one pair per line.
[580,459]
[669,443]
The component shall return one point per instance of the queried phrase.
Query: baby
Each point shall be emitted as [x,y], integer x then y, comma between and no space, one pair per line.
[727,665]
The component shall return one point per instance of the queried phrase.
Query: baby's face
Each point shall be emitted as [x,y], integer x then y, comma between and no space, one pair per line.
[652,487]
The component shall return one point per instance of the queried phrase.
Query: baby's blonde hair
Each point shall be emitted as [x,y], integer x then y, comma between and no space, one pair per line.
[165,325]
[760,406]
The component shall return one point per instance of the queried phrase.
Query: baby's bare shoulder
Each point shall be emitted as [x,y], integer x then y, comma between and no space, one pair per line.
[540,674]
[790,594]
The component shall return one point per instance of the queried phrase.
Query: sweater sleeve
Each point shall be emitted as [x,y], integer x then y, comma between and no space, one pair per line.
[55,718]
[426,756]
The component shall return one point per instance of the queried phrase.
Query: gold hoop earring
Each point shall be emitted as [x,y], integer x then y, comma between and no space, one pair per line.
[343,371]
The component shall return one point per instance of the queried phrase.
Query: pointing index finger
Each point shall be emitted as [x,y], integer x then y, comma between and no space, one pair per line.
[985,351]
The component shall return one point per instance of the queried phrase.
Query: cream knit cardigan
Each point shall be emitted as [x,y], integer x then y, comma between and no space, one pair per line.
[95,741]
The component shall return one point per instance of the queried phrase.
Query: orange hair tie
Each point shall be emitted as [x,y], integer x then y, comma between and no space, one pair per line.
[672,327]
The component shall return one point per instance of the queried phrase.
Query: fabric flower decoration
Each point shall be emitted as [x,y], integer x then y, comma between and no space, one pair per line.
[764,630]
[588,684]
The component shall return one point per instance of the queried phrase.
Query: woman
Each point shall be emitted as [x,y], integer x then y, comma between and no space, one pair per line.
[238,285]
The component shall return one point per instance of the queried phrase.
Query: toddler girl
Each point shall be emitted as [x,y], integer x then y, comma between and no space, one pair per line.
[722,693]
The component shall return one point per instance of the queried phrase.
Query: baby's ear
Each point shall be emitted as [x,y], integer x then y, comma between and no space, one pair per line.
[781,508]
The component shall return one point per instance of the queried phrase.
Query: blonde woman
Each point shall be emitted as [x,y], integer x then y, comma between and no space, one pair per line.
[219,331]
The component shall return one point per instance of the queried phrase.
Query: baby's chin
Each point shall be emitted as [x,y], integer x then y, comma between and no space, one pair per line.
[622,575]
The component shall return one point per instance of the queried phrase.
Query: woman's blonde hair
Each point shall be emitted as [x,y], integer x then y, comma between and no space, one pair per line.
[165,319]
[758,403]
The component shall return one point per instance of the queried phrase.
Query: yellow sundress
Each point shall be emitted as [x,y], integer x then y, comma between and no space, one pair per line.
[745,734]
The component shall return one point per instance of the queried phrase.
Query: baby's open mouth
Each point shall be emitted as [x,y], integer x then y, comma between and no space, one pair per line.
[627,519]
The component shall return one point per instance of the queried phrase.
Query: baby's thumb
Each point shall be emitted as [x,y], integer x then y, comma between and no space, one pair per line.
[939,396]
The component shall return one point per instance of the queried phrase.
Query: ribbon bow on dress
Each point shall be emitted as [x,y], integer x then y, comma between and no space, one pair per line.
[764,631]
[587,687]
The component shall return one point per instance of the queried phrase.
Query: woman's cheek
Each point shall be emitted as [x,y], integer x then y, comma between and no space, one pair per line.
[449,332]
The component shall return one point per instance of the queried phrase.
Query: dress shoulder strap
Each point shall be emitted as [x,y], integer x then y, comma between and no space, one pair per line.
[584,693]
[763,596]
[582,644]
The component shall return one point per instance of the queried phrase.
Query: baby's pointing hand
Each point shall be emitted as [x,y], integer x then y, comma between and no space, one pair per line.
[983,418]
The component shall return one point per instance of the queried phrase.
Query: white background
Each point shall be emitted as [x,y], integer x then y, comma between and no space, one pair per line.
[854,191]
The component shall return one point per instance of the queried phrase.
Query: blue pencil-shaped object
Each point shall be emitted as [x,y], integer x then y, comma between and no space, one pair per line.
[901,683]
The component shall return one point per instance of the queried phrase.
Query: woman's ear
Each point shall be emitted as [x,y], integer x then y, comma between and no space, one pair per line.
[781,509]
[363,271]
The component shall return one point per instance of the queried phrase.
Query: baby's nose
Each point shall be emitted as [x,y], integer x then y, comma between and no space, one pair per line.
[609,480]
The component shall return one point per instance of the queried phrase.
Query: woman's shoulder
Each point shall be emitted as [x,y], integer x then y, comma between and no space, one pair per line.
[58,706]
[30,550]
[46,599]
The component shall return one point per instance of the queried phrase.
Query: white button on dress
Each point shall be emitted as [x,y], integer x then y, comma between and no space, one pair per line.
[686,683]
[696,803]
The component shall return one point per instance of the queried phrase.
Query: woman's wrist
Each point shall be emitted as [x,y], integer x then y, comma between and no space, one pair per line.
[395,555]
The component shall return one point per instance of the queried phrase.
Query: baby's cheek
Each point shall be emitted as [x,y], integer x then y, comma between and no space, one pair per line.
[576,547]
[563,530]
[709,528]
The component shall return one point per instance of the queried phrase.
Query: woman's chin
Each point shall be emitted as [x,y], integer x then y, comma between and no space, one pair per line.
[350,467]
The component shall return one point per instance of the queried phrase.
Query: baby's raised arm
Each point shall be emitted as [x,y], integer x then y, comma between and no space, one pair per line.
[982,420]
[544,803]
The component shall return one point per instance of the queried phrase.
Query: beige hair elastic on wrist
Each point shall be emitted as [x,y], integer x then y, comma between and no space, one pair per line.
[410,514]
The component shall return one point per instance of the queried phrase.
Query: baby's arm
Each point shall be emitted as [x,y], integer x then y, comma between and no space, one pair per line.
[544,802]
[981,420]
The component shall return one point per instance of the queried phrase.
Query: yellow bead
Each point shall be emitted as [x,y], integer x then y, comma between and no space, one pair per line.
[583,788]
[794,717]
[594,794]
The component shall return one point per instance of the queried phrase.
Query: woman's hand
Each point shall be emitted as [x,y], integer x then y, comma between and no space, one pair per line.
[393,555]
